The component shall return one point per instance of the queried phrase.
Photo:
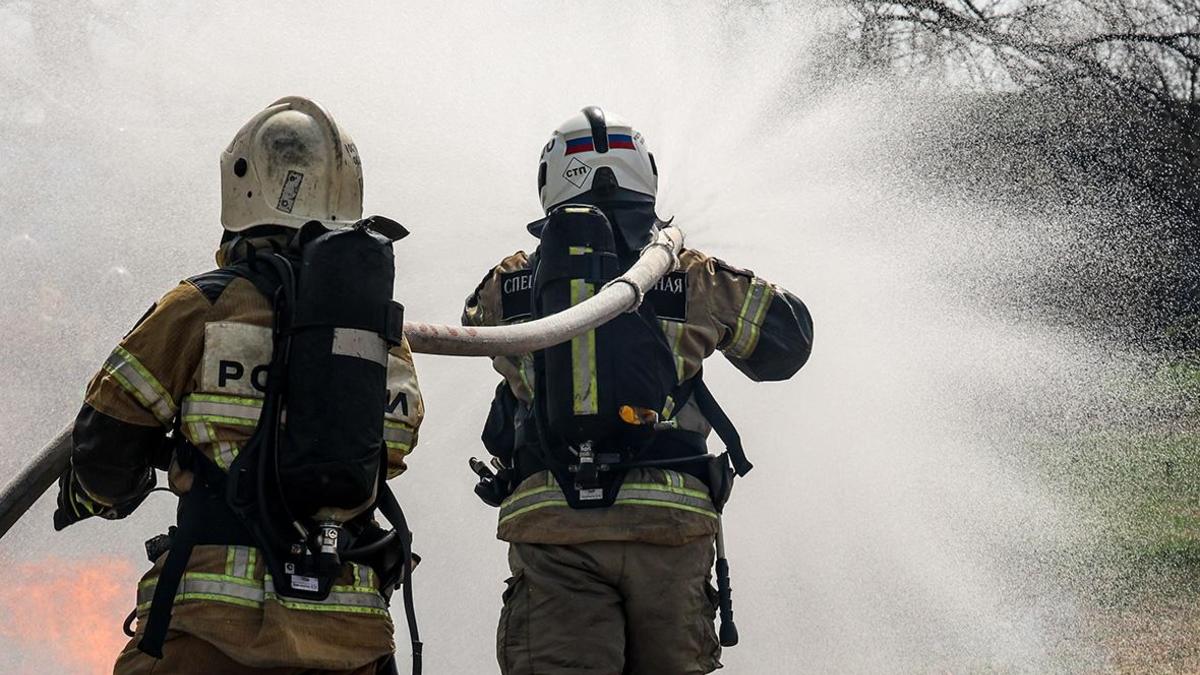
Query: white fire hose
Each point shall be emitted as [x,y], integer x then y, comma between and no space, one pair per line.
[621,295]
[624,294]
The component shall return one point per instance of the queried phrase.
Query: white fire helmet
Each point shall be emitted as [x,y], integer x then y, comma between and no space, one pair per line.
[582,146]
[288,165]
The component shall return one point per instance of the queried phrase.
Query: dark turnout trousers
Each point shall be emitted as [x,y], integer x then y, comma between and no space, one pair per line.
[609,608]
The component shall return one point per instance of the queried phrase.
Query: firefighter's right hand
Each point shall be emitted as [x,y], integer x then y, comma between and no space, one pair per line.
[74,504]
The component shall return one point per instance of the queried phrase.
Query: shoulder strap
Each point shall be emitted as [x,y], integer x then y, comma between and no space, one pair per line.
[159,617]
[203,518]
[389,506]
[721,424]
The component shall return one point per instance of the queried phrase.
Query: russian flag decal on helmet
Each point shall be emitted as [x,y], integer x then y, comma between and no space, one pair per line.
[593,140]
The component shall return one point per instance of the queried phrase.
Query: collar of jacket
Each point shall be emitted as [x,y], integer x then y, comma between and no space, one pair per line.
[237,249]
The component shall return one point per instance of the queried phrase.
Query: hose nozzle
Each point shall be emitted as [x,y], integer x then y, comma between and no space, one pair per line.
[728,633]
[480,468]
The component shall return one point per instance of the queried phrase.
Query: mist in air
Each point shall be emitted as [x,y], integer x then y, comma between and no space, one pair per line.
[893,523]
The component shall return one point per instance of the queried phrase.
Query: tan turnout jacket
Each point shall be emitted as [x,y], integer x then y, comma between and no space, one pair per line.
[705,306]
[199,357]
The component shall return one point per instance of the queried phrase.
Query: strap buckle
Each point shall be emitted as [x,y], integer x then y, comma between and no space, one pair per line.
[588,470]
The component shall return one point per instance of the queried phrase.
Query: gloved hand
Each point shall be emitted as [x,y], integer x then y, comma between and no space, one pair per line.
[74,505]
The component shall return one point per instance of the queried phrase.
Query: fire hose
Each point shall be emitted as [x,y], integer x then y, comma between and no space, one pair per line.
[623,294]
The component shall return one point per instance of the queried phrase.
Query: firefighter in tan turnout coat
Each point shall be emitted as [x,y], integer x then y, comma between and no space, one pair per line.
[626,588]
[197,363]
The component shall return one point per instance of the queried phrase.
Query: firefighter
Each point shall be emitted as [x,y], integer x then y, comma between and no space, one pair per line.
[196,363]
[624,588]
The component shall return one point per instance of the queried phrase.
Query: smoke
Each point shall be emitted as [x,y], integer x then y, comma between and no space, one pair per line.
[895,523]
[60,614]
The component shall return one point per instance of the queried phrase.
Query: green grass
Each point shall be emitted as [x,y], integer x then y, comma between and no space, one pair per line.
[1136,562]
[1139,493]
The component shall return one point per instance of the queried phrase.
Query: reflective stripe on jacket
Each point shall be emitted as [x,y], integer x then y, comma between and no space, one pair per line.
[669,493]
[241,584]
[227,599]
[704,307]
[653,505]
[199,357]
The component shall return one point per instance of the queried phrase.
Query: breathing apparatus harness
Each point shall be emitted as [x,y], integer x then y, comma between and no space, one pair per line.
[598,398]
[304,492]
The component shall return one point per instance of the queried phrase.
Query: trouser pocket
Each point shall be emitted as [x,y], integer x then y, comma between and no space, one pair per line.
[710,646]
[512,634]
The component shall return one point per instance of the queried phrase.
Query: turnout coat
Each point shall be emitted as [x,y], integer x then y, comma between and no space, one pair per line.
[705,306]
[197,362]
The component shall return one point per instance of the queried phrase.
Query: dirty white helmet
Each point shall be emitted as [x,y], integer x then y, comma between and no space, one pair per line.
[596,150]
[290,164]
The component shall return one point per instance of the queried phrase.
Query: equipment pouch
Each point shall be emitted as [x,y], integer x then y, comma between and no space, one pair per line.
[383,553]
[499,432]
[720,479]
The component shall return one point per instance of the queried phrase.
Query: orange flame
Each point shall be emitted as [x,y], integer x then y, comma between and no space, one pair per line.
[68,612]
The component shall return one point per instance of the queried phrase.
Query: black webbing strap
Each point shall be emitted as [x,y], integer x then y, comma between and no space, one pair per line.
[390,508]
[183,540]
[204,518]
[722,425]
[393,330]
[594,267]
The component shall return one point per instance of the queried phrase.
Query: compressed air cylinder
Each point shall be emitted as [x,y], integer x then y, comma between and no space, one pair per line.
[576,257]
[337,372]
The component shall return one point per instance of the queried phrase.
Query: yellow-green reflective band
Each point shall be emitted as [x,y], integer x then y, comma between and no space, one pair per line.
[668,408]
[668,499]
[250,593]
[524,368]
[583,357]
[224,453]
[341,599]
[745,338]
[230,410]
[532,492]
[222,399]
[201,411]
[673,331]
[362,575]
[239,562]
[402,448]
[660,503]
[532,499]
[204,586]
[634,494]
[319,607]
[507,515]
[397,435]
[202,434]
[198,433]
[138,382]
[210,597]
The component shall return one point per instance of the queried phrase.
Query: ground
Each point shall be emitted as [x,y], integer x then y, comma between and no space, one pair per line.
[1142,584]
